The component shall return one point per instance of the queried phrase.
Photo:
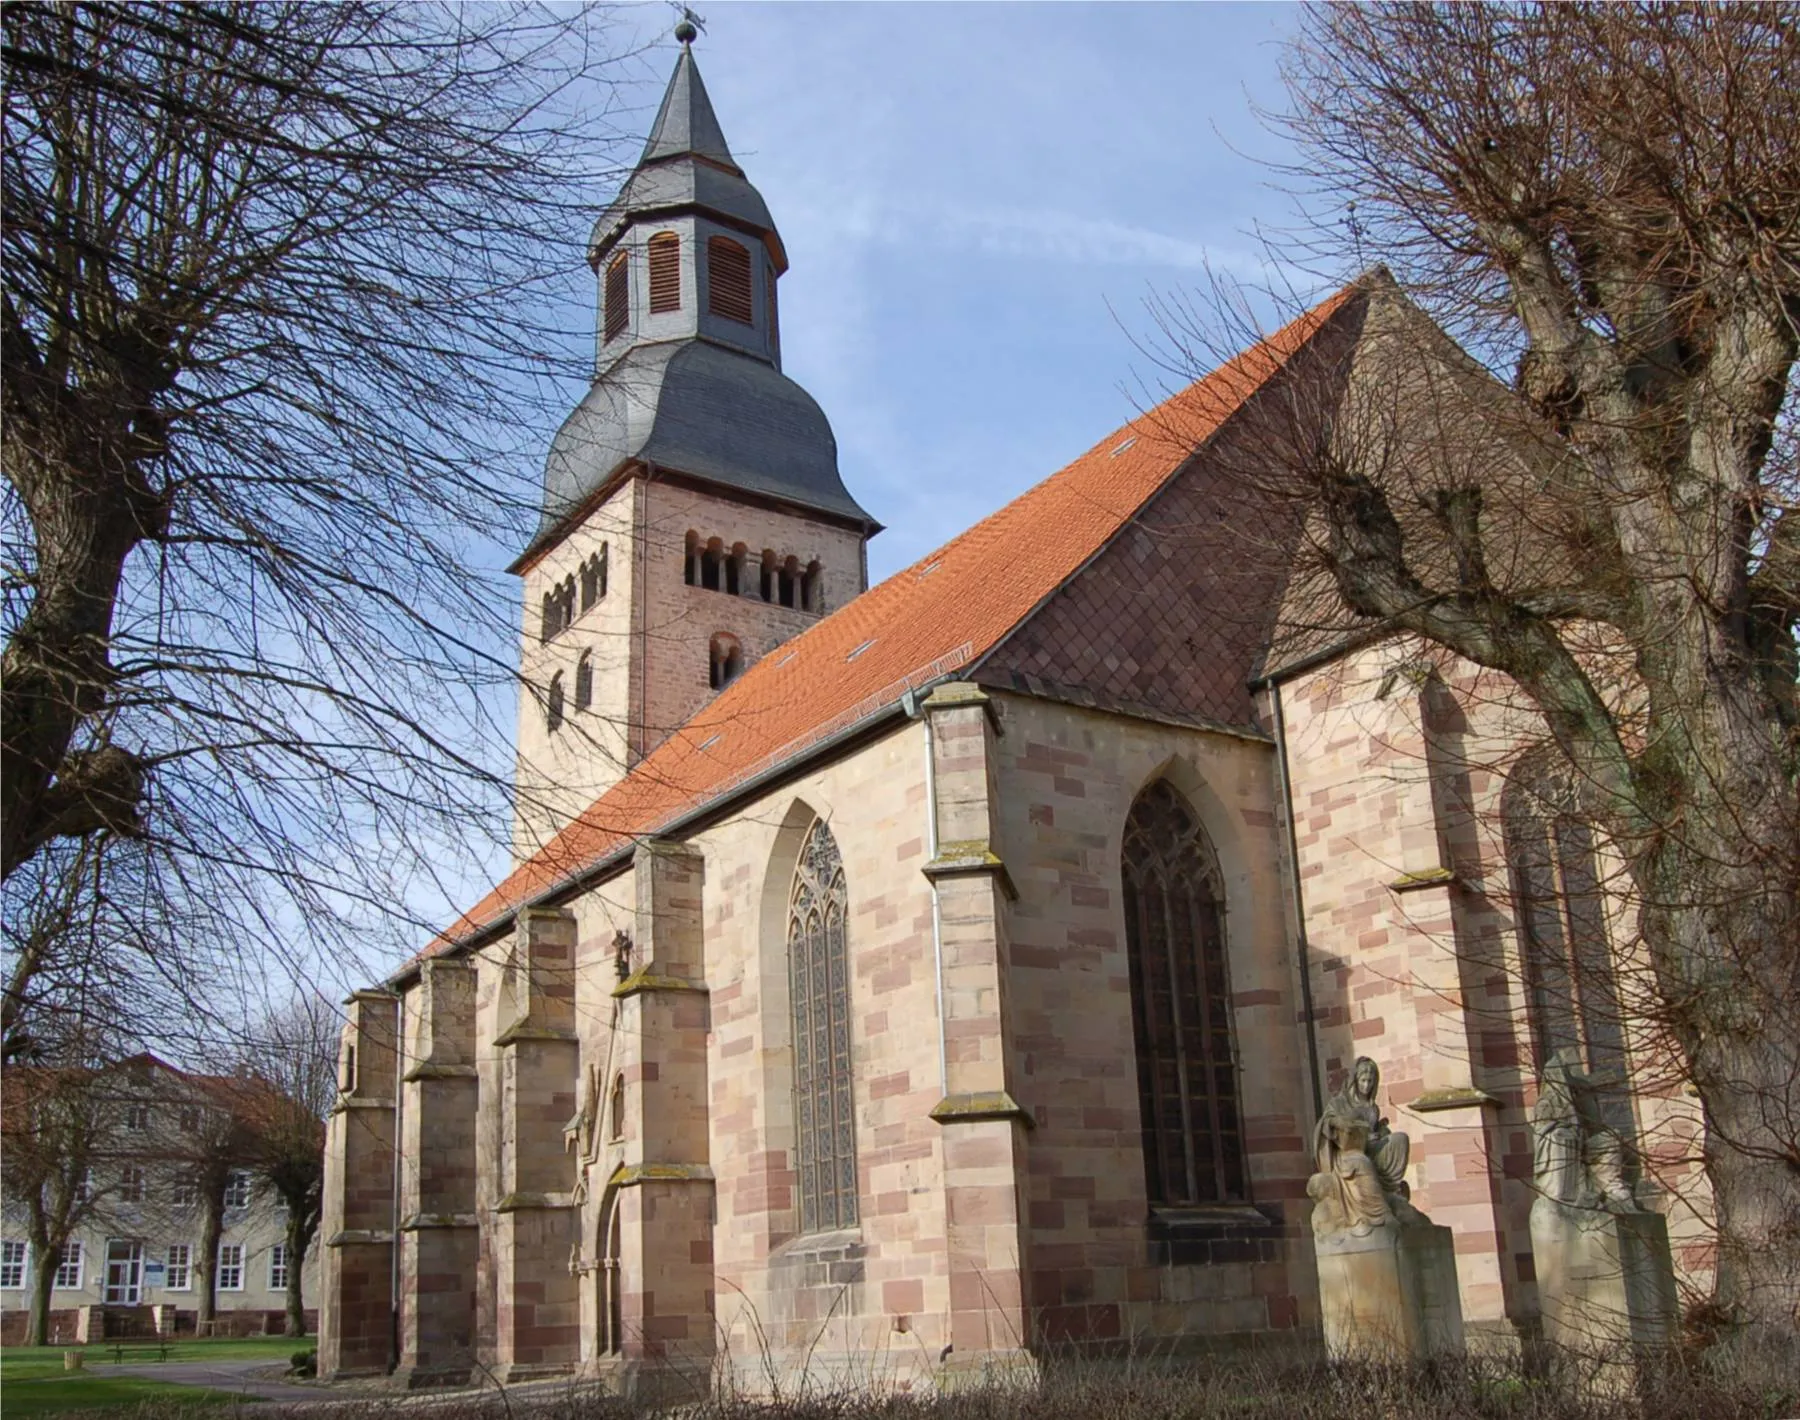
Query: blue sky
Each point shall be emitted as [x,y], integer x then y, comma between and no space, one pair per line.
[976,200]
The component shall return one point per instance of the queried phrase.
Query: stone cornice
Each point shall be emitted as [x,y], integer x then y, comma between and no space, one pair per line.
[645,980]
[981,1105]
[631,1175]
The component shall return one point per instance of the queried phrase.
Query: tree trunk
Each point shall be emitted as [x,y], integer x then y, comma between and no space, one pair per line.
[43,1276]
[211,1226]
[296,1250]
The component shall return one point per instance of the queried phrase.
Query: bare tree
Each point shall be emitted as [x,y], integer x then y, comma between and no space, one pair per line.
[1604,203]
[292,1060]
[60,1122]
[279,328]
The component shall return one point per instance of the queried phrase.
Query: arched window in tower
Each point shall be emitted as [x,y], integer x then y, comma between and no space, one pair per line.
[548,626]
[819,987]
[611,1299]
[691,569]
[553,703]
[766,575]
[618,295]
[787,578]
[727,658]
[1572,996]
[809,587]
[712,564]
[584,681]
[665,273]
[734,570]
[1180,1006]
[728,280]
[593,578]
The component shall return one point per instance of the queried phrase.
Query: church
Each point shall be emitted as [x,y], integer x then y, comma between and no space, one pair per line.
[903,982]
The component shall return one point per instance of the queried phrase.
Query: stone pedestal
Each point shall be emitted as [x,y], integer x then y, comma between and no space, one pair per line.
[1605,1280]
[1391,1294]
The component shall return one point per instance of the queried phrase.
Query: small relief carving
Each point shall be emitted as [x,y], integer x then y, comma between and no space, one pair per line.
[1577,1158]
[1361,1180]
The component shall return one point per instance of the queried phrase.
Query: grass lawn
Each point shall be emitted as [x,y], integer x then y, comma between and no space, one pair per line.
[52,1395]
[35,1382]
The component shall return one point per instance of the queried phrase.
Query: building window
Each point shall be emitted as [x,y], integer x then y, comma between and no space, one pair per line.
[349,1072]
[84,1186]
[181,1267]
[788,582]
[819,983]
[728,280]
[1571,991]
[237,1189]
[131,1184]
[618,295]
[137,1117]
[734,570]
[231,1267]
[190,1121]
[616,1111]
[810,597]
[1180,1006]
[727,658]
[186,1193]
[665,273]
[68,1268]
[278,1268]
[553,703]
[584,681]
[593,579]
[12,1264]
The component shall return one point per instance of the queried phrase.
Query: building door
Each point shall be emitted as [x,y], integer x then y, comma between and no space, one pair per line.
[124,1272]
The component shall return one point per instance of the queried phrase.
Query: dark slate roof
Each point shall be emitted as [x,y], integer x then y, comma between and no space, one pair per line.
[686,122]
[685,184]
[700,409]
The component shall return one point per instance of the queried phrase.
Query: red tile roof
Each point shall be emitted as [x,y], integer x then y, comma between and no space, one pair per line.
[935,617]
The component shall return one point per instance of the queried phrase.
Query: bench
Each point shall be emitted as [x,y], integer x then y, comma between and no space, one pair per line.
[142,1349]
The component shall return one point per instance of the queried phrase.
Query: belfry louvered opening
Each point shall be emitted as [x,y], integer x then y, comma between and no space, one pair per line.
[618,295]
[728,280]
[1181,1006]
[665,273]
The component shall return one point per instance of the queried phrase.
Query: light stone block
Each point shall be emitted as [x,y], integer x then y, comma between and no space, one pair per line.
[1605,1280]
[1391,1294]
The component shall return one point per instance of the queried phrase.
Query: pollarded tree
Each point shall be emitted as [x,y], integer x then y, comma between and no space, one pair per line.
[275,319]
[1604,201]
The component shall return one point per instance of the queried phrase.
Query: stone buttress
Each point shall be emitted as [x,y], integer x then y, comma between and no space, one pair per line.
[357,1222]
[655,1221]
[984,1128]
[535,1307]
[439,1096]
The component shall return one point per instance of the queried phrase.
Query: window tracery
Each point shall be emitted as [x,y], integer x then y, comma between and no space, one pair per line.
[1181,1006]
[819,991]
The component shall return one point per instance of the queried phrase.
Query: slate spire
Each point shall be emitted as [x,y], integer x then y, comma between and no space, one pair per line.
[686,123]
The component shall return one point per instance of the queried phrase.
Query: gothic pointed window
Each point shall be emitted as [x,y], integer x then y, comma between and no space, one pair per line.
[728,280]
[618,295]
[665,273]
[1180,1006]
[819,986]
[1572,996]
[584,681]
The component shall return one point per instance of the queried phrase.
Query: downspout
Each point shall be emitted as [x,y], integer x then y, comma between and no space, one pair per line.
[1287,806]
[916,711]
[394,1206]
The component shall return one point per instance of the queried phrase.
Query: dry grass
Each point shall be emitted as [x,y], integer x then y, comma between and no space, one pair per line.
[1137,1390]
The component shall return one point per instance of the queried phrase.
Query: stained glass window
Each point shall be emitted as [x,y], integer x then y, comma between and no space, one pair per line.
[819,984]
[1180,1006]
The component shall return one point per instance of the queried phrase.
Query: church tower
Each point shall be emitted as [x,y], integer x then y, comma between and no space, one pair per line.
[693,516]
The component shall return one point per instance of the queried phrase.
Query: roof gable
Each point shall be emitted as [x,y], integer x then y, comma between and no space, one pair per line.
[937,617]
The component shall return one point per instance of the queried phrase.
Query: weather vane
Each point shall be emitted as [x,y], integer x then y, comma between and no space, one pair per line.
[691,26]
